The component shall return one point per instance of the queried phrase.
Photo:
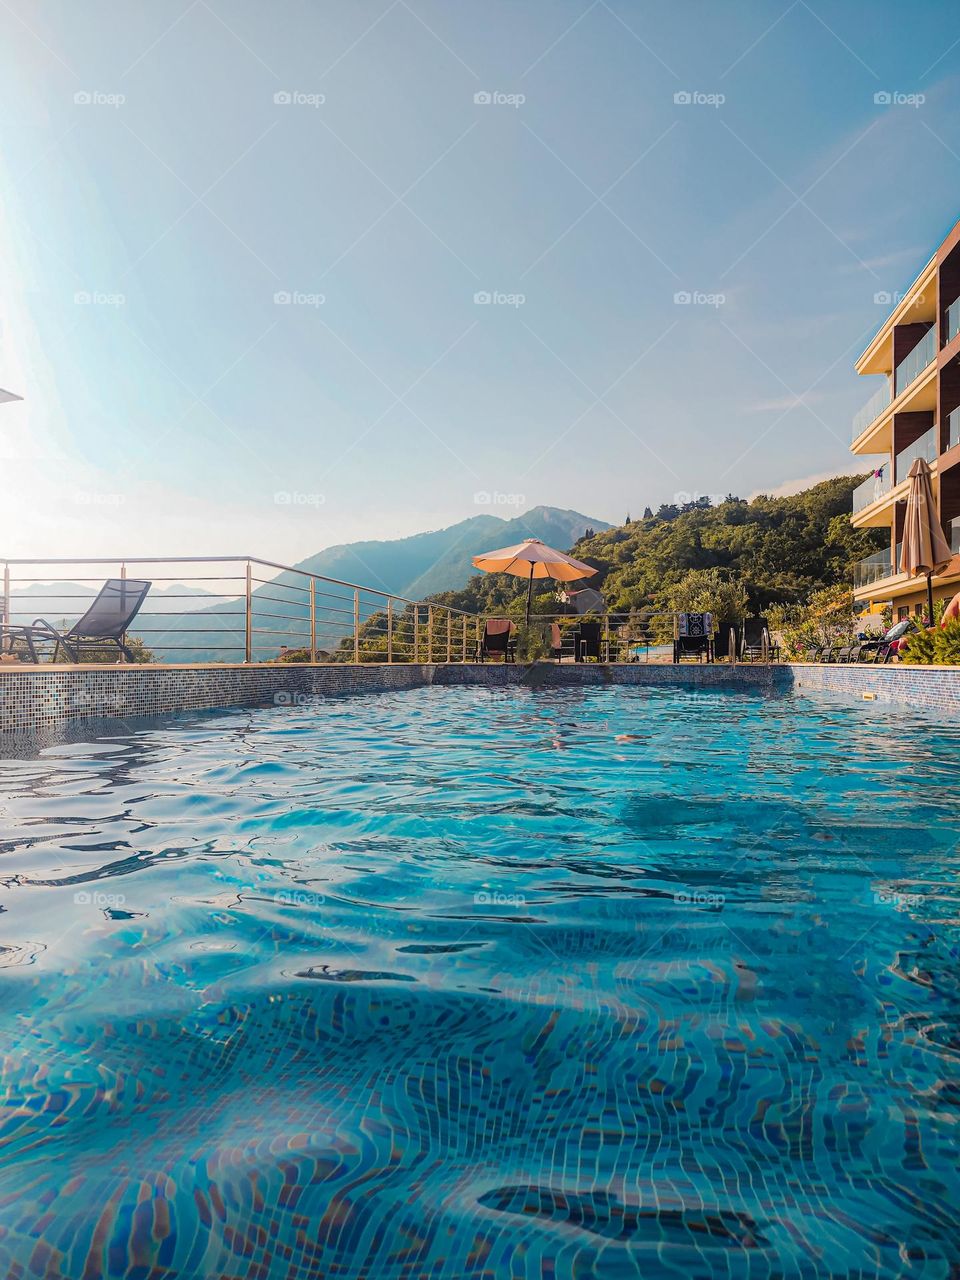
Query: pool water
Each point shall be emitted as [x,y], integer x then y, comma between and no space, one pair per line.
[471,983]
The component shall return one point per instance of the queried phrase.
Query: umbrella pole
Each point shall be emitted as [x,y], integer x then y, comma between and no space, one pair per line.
[529,592]
[930,597]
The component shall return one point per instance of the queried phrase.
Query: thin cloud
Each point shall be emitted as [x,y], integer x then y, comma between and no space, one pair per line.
[787,488]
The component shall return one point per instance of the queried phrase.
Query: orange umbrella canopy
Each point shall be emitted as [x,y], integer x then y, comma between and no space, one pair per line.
[533,559]
[925,549]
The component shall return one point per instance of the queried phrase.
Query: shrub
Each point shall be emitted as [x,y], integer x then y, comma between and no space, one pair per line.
[920,648]
[938,646]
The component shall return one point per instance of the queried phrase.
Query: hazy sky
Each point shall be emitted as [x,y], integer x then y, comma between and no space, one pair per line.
[242,245]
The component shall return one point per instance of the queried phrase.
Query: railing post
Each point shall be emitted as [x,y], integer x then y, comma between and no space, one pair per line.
[606,634]
[416,633]
[356,626]
[464,637]
[389,629]
[449,633]
[123,578]
[429,632]
[313,619]
[6,594]
[248,617]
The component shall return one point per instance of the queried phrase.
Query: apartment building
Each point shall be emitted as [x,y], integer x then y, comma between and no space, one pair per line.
[914,359]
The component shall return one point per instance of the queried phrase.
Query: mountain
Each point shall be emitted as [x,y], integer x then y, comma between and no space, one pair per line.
[780,548]
[59,601]
[442,560]
[412,567]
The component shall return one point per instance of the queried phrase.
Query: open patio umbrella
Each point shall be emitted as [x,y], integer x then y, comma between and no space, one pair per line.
[533,559]
[925,549]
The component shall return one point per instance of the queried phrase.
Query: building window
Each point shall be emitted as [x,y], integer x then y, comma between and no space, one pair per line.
[903,613]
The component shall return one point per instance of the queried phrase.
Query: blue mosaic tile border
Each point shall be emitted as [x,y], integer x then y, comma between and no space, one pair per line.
[32,698]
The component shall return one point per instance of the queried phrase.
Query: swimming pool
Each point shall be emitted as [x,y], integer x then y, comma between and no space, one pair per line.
[458,982]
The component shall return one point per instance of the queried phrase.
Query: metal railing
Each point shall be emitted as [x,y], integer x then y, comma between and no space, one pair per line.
[244,609]
[925,446]
[241,609]
[872,409]
[951,321]
[873,569]
[914,363]
[872,489]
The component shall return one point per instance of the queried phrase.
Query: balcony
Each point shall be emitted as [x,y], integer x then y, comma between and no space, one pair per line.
[874,569]
[872,489]
[951,322]
[953,428]
[924,447]
[913,364]
[872,409]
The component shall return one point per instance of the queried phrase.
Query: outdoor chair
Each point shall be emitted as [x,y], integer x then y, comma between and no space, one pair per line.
[754,630]
[497,641]
[590,642]
[101,629]
[693,637]
[556,641]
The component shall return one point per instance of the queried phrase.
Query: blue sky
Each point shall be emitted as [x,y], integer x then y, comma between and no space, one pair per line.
[157,198]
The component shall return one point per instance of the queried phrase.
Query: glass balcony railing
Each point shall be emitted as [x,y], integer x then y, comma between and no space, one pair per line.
[912,365]
[924,447]
[872,409]
[951,322]
[955,536]
[953,428]
[874,569]
[872,489]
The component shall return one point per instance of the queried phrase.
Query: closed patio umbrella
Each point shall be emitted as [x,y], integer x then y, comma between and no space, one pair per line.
[533,559]
[925,549]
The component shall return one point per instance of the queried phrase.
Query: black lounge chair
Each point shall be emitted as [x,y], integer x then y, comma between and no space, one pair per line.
[590,642]
[692,637]
[754,631]
[814,653]
[497,641]
[102,628]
